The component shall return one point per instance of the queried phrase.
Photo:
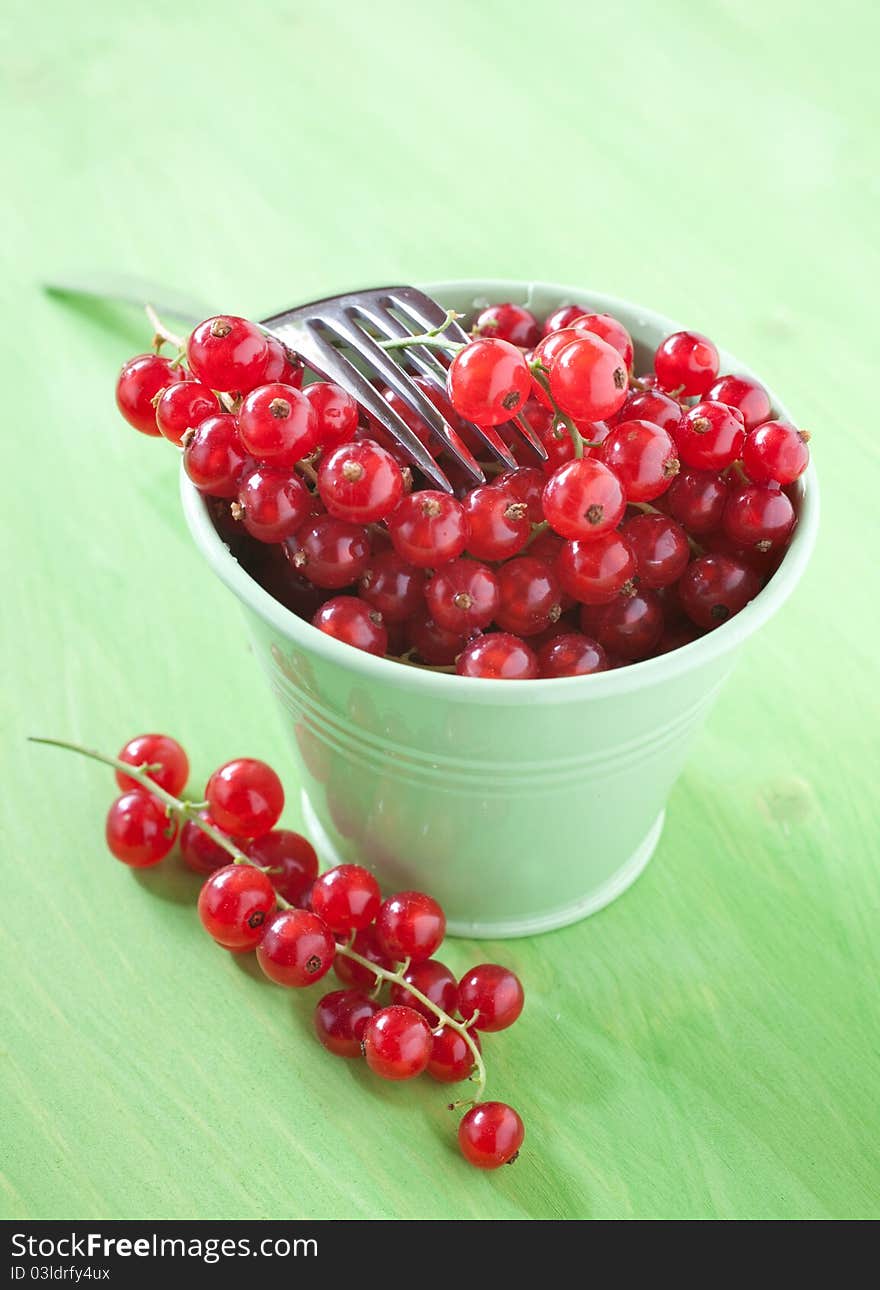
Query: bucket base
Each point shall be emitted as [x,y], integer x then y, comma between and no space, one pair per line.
[613,887]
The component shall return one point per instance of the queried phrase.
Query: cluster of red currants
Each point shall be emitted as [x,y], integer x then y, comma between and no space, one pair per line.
[663,506]
[263,893]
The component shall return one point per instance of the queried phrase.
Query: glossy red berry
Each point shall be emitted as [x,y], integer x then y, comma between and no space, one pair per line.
[608,329]
[435,982]
[525,484]
[588,379]
[350,620]
[776,452]
[292,859]
[529,596]
[277,424]
[546,354]
[431,642]
[228,353]
[281,366]
[360,482]
[215,458]
[595,572]
[410,925]
[296,948]
[492,995]
[562,317]
[629,627]
[499,522]
[508,322]
[498,656]
[138,831]
[488,382]
[336,413]
[654,406]
[353,973]
[746,395]
[340,1021]
[491,1135]
[199,852]
[137,385]
[687,362]
[660,547]
[392,586]
[272,503]
[571,654]
[397,1043]
[234,905]
[643,457]
[452,1058]
[759,515]
[696,499]
[245,797]
[715,587]
[584,499]
[346,897]
[429,528]
[330,553]
[463,596]
[710,436]
[160,751]
[183,406]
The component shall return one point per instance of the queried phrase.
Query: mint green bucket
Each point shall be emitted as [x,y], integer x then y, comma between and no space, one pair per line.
[520,806]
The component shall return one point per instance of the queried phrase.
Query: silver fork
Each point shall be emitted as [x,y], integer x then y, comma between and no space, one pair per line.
[328,334]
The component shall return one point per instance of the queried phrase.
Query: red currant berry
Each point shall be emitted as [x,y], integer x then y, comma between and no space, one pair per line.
[546,546]
[397,1043]
[429,528]
[352,973]
[492,995]
[336,413]
[331,553]
[155,750]
[292,859]
[588,379]
[558,445]
[571,654]
[498,656]
[138,831]
[525,484]
[529,596]
[562,317]
[272,503]
[280,366]
[654,406]
[200,852]
[360,482]
[660,547]
[747,396]
[595,572]
[630,627]
[584,499]
[776,453]
[488,382]
[696,499]
[410,925]
[715,587]
[508,322]
[234,905]
[420,428]
[296,949]
[245,797]
[710,436]
[277,424]
[758,515]
[393,587]
[499,523]
[546,354]
[436,983]
[340,1021]
[432,643]
[214,458]
[137,385]
[346,897]
[452,1058]
[642,456]
[608,329]
[350,620]
[228,353]
[463,596]
[686,361]
[183,406]
[490,1135]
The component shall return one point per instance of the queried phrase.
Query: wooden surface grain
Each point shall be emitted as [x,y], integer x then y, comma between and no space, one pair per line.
[708,1046]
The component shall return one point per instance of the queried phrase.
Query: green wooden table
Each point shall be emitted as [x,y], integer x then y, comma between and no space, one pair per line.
[708,1046]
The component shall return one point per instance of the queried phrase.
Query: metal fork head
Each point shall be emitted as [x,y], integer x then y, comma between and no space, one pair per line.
[338,339]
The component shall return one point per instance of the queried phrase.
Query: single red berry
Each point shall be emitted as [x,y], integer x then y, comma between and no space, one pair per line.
[546,354]
[547,547]
[336,413]
[584,499]
[488,382]
[397,1043]
[687,362]
[710,436]
[228,353]
[746,395]
[296,948]
[715,587]
[277,424]
[330,553]
[491,1135]
[758,515]
[629,627]
[452,1058]
[498,656]
[346,897]
[435,981]
[431,642]
[696,499]
[245,797]
[498,521]
[340,1021]
[360,482]
[654,406]
[492,995]
[234,905]
[429,528]
[367,945]
[643,457]
[199,852]
[393,587]
[292,859]
[571,654]
[463,596]
[776,452]
[529,596]
[281,366]
[559,446]
[508,322]
[215,458]
[155,750]
[608,329]
[525,484]
[272,503]
[564,316]
[660,547]
[588,379]
[137,385]
[183,406]
[410,925]
[595,572]
[350,620]
[138,831]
